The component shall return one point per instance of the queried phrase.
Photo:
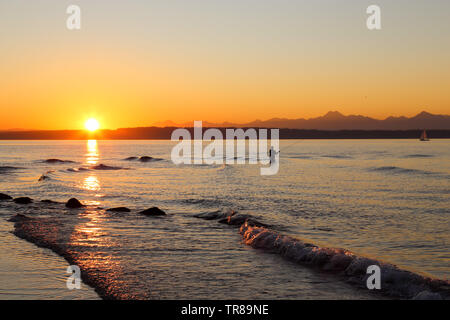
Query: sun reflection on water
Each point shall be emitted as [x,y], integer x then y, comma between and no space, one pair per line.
[91,183]
[91,233]
[92,152]
[89,241]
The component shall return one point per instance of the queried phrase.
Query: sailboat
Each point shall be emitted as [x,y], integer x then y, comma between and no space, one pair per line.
[423,136]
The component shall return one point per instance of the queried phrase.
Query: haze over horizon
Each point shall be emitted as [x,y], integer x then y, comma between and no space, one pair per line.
[137,63]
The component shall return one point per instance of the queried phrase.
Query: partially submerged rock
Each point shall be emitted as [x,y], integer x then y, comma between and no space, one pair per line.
[43,177]
[154,211]
[119,209]
[18,217]
[23,200]
[238,220]
[48,201]
[4,197]
[73,204]
[8,168]
[145,159]
[58,161]
[142,159]
[102,166]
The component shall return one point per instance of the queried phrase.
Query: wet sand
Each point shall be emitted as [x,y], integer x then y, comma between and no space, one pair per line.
[28,272]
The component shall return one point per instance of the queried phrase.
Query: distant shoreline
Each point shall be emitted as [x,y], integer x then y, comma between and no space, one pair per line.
[156,133]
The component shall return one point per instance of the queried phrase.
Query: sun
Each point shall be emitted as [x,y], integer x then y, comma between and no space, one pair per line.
[92,125]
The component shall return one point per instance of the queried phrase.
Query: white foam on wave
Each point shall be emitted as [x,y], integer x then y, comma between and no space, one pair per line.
[394,281]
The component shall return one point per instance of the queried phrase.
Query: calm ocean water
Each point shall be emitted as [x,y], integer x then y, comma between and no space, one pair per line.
[382,199]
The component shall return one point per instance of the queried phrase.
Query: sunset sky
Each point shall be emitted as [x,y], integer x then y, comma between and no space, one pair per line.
[134,63]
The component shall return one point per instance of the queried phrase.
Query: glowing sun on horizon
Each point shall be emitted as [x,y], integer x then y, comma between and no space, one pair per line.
[92,125]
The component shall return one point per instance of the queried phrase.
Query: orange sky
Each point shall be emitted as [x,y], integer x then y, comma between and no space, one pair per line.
[140,64]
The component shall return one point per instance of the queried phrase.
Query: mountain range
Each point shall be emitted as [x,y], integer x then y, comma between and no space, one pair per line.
[335,120]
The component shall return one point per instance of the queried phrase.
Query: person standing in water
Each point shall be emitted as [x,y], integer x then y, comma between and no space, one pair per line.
[272,154]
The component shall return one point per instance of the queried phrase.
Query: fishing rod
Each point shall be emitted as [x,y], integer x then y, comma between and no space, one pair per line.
[289,145]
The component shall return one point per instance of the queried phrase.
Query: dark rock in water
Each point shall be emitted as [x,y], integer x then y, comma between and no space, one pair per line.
[210,215]
[105,167]
[233,222]
[256,223]
[148,159]
[58,161]
[238,220]
[73,203]
[48,201]
[42,178]
[4,197]
[154,211]
[142,159]
[18,217]
[145,159]
[119,209]
[6,169]
[23,200]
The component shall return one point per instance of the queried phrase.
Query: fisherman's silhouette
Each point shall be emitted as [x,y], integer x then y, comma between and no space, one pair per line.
[272,154]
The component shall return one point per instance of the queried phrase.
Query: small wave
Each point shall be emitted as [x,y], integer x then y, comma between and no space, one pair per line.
[337,156]
[78,169]
[300,157]
[219,214]
[419,156]
[193,201]
[205,202]
[394,169]
[323,229]
[394,281]
[223,167]
[245,158]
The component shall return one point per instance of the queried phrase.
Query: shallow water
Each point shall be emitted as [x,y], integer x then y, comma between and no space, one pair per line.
[31,273]
[385,199]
